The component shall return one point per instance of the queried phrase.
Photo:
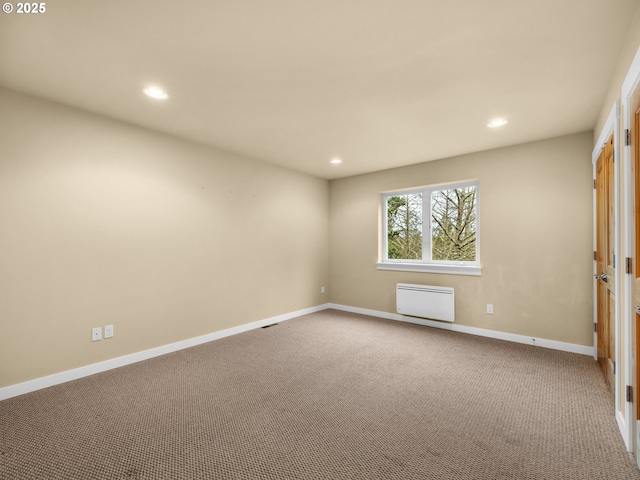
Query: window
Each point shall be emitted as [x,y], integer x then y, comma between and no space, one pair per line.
[431,229]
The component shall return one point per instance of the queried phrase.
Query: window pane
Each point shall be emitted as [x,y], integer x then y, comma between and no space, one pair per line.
[453,230]
[404,227]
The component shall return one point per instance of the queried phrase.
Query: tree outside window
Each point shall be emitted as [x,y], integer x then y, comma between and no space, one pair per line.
[404,226]
[453,227]
[432,225]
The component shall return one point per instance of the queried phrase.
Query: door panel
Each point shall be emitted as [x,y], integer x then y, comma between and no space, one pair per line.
[605,263]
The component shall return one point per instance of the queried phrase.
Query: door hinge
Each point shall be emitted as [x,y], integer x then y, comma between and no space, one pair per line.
[595,255]
[595,327]
[614,368]
[627,137]
[628,265]
[629,393]
[613,260]
[594,183]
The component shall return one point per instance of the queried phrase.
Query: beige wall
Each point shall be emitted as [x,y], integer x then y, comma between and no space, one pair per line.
[535,234]
[628,52]
[107,223]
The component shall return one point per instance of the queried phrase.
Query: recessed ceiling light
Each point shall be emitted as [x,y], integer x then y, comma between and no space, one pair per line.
[336,161]
[497,122]
[156,92]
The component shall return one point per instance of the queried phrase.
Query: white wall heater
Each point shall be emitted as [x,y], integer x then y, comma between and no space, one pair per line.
[425,301]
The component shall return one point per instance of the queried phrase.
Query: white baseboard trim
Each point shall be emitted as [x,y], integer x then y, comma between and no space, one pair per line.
[66,376]
[482,332]
[622,425]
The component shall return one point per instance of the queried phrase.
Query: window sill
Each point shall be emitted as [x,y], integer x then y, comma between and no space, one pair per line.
[475,270]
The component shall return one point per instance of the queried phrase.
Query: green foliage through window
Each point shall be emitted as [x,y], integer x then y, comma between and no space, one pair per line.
[404,226]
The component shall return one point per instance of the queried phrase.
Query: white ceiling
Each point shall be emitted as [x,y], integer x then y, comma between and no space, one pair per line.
[378,83]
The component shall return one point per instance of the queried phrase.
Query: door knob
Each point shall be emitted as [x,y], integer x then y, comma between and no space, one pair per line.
[602,276]
[637,308]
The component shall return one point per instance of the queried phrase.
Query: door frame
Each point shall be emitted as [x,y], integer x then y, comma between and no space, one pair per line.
[631,82]
[612,127]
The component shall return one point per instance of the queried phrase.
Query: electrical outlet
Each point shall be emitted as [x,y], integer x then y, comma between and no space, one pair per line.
[96,334]
[321,289]
[490,308]
[108,331]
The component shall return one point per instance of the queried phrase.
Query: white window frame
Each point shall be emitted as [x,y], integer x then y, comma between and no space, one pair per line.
[427,264]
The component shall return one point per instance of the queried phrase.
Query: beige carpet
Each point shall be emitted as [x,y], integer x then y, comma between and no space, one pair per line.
[326,396]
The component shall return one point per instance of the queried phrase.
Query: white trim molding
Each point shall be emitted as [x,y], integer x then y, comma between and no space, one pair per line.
[430,268]
[482,332]
[74,374]
[627,419]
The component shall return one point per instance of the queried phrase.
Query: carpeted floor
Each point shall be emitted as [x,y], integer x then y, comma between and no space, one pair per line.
[330,395]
